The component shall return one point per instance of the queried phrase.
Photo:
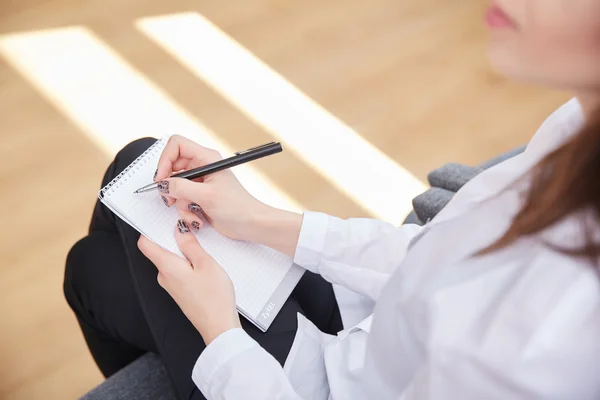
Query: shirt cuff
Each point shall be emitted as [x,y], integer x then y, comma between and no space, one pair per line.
[218,353]
[311,240]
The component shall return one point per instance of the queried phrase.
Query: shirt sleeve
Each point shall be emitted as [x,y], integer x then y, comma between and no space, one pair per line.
[359,254]
[234,365]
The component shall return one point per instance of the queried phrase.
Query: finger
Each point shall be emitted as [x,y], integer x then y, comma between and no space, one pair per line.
[181,165]
[163,259]
[167,200]
[197,210]
[184,189]
[189,246]
[193,207]
[179,147]
[193,220]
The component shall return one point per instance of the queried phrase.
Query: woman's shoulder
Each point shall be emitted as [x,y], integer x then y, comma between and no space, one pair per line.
[564,122]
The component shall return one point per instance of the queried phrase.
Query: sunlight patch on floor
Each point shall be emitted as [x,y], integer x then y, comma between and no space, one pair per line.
[338,153]
[111,101]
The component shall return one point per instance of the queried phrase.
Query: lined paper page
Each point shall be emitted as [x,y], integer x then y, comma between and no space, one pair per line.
[256,271]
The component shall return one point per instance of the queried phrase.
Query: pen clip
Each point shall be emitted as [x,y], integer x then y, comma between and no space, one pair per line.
[254,148]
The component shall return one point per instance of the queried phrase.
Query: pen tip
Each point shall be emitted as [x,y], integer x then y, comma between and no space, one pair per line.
[136,191]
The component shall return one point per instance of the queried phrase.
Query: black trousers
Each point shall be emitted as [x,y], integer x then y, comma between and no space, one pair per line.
[124,313]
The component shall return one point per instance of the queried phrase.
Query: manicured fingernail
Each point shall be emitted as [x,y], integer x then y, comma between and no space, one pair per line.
[182,226]
[195,208]
[195,225]
[163,186]
[164,199]
[155,173]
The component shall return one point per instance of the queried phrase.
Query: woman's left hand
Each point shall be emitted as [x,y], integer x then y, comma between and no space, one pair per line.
[199,285]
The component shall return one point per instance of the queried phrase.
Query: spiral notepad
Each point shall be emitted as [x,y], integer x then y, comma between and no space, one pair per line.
[263,278]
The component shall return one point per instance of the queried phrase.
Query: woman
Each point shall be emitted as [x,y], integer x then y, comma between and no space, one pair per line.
[497,297]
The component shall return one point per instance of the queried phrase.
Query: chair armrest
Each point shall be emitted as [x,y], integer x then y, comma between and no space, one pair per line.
[452,176]
[445,182]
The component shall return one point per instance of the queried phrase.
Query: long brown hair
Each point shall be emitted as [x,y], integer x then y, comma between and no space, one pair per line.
[564,182]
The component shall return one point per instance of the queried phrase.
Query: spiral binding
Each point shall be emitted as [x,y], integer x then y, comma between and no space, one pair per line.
[137,163]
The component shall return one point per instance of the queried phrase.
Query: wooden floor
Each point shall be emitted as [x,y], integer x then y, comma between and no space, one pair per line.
[411,78]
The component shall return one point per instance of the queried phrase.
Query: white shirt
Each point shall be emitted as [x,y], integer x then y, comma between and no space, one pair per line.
[425,319]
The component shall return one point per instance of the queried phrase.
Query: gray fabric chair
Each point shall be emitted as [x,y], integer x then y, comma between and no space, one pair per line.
[146,377]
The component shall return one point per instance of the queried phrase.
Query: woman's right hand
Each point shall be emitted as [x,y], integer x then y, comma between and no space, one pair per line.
[219,196]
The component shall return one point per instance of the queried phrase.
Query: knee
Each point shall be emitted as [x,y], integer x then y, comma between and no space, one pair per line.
[126,156]
[76,273]
[133,150]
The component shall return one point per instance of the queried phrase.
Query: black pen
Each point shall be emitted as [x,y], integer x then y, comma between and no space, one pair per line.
[240,157]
